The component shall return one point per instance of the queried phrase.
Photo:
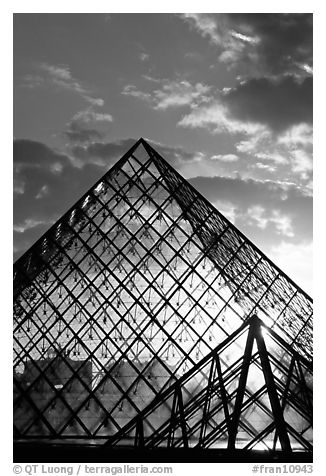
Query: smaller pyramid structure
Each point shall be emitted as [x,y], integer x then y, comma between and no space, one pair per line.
[144,317]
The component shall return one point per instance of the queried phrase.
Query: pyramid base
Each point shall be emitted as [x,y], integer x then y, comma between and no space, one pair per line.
[36,452]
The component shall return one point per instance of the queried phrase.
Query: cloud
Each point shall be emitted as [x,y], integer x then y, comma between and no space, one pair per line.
[302,163]
[90,115]
[266,167]
[262,218]
[60,77]
[253,40]
[285,41]
[79,129]
[256,105]
[271,156]
[19,186]
[77,133]
[207,25]
[131,90]
[217,118]
[177,156]
[271,121]
[225,157]
[43,192]
[297,135]
[259,44]
[33,154]
[277,104]
[171,94]
[108,152]
[28,224]
[144,57]
[176,94]
[290,153]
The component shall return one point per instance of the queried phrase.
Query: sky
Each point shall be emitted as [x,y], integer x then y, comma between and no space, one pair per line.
[225,98]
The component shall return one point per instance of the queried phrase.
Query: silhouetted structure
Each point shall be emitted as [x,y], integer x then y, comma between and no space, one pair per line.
[144,318]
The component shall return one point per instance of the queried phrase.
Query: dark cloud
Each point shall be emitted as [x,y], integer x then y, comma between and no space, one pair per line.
[176,156]
[259,44]
[285,40]
[32,153]
[102,150]
[78,133]
[278,104]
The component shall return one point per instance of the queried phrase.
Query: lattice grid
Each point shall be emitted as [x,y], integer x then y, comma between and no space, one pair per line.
[127,292]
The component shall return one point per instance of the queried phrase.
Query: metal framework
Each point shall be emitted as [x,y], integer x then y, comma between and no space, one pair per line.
[255,402]
[144,317]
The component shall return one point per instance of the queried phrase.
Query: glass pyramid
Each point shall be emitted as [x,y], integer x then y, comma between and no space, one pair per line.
[124,306]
